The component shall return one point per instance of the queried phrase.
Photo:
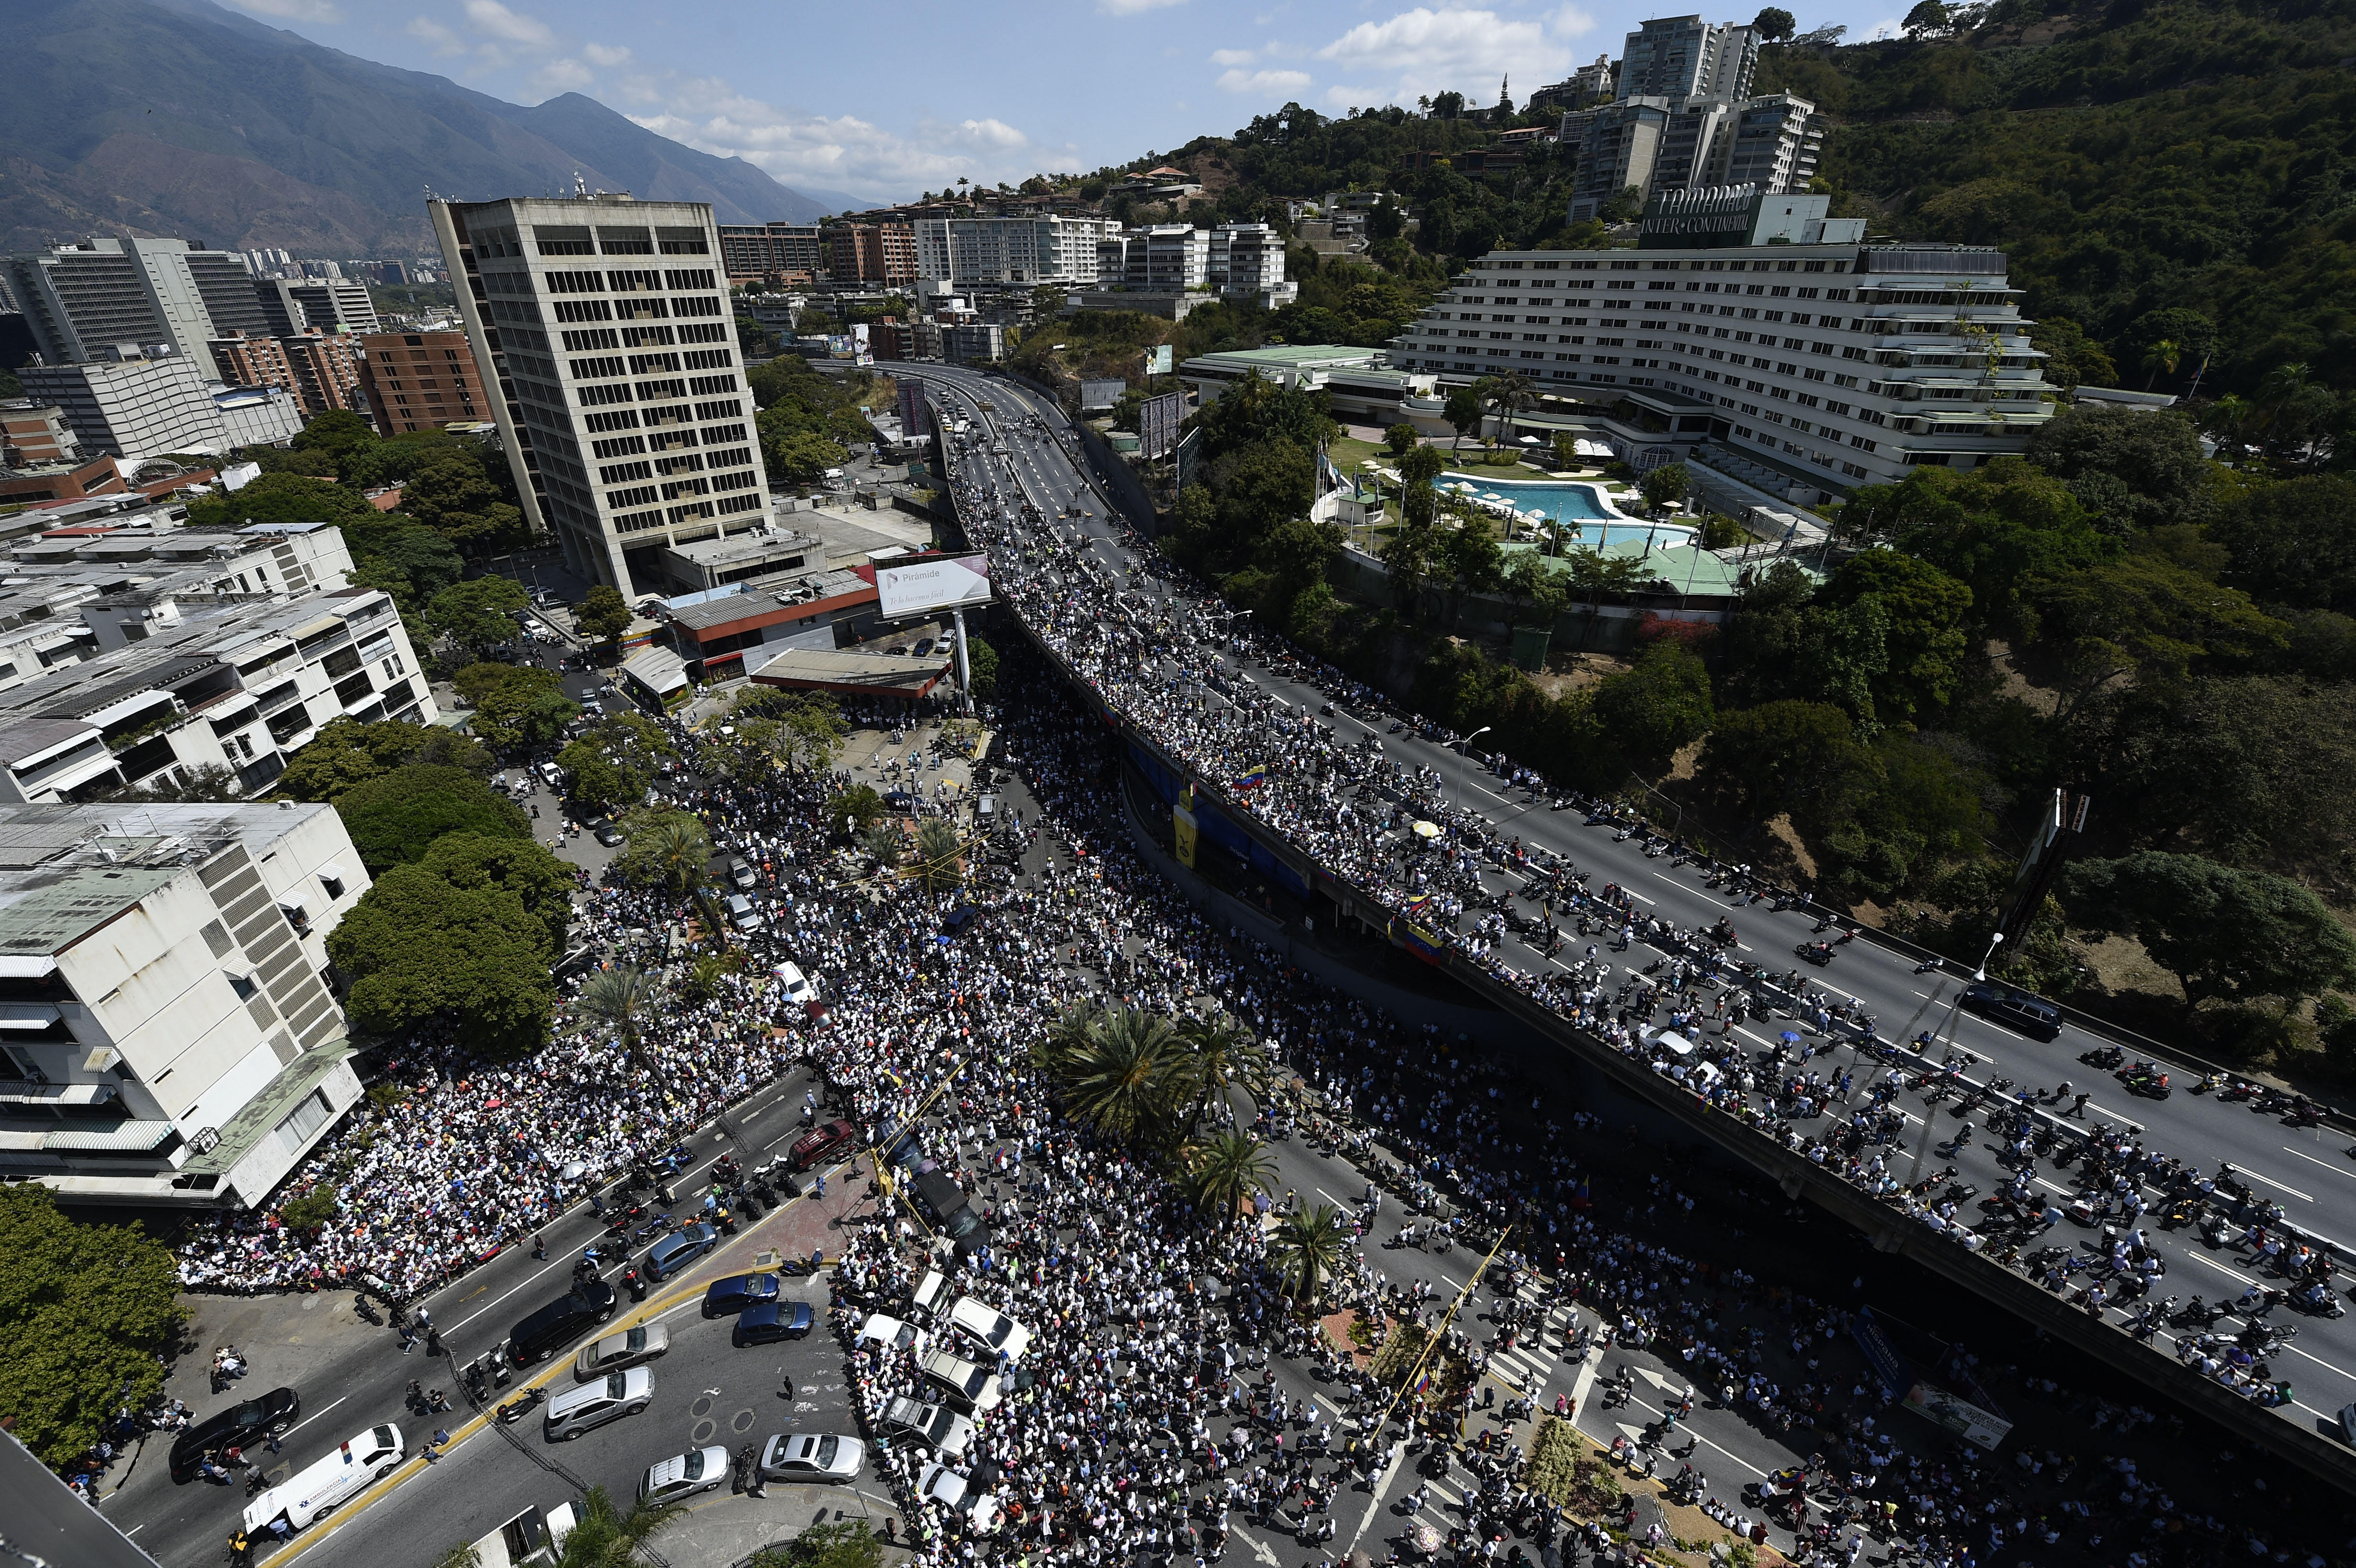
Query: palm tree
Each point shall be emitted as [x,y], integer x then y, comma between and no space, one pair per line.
[1508,394]
[884,841]
[1304,1250]
[1119,1081]
[615,998]
[603,1537]
[2159,359]
[1068,1038]
[1223,1053]
[680,852]
[1223,1173]
[2281,387]
[937,851]
[463,1555]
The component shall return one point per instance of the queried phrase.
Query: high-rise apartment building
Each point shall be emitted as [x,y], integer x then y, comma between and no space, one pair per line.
[33,433]
[1247,261]
[336,304]
[323,370]
[1031,250]
[1772,142]
[1168,258]
[1684,57]
[109,296]
[1776,347]
[606,323]
[132,408]
[777,253]
[871,252]
[420,381]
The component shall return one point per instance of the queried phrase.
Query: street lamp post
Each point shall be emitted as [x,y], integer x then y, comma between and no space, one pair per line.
[1981,973]
[1463,773]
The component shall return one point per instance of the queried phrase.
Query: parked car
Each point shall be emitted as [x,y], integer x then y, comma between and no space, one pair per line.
[697,1470]
[820,1142]
[988,1328]
[242,1425]
[768,1322]
[627,1348]
[680,1250]
[320,1488]
[940,1428]
[972,1495]
[609,836]
[812,1456]
[727,1297]
[797,986]
[742,914]
[579,1410]
[741,873]
[890,1335]
[536,1338]
[970,1384]
[945,1202]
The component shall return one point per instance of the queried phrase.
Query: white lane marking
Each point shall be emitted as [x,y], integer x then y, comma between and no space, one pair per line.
[2326,1164]
[307,1419]
[2221,1268]
[2270,1181]
[1691,1432]
[2319,1361]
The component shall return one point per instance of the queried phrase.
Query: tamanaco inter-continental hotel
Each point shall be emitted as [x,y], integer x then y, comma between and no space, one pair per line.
[1752,336]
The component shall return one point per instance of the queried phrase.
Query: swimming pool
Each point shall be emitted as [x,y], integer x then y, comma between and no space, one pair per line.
[1573,503]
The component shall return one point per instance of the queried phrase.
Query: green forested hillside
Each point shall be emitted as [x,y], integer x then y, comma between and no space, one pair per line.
[2182,172]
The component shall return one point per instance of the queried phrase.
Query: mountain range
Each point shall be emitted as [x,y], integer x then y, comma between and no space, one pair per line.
[176,117]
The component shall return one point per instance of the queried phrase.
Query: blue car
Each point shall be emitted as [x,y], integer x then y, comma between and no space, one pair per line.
[729,1296]
[679,1249]
[766,1322]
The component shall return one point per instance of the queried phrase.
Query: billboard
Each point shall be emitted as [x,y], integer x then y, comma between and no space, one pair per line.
[1095,395]
[916,416]
[1157,360]
[946,584]
[1157,425]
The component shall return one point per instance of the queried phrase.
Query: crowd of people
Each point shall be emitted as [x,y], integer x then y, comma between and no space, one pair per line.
[1153,648]
[1144,1416]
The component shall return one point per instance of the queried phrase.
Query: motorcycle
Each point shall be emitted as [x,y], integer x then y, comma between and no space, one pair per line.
[1817,952]
[2103,1056]
[516,1409]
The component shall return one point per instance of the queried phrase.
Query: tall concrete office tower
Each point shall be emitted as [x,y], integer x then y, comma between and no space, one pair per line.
[605,323]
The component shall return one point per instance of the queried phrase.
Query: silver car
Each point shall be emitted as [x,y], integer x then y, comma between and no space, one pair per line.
[615,1352]
[812,1456]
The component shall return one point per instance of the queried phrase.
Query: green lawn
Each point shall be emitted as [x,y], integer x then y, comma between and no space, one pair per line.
[1347,454]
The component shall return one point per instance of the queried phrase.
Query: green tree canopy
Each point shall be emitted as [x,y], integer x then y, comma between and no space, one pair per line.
[418,948]
[521,866]
[478,615]
[2153,456]
[1801,758]
[346,752]
[515,704]
[2225,934]
[283,498]
[1662,704]
[90,1312]
[601,616]
[396,818]
[2293,542]
[1925,611]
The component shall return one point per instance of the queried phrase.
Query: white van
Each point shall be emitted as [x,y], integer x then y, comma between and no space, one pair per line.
[609,1398]
[317,1491]
[798,987]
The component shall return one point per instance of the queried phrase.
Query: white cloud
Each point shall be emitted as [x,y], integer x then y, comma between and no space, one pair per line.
[843,152]
[1232,57]
[1132,7]
[292,10]
[562,76]
[1264,82]
[1426,51]
[494,20]
[444,40]
[605,55]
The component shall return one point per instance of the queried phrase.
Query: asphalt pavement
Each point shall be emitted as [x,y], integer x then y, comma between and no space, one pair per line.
[2307,1172]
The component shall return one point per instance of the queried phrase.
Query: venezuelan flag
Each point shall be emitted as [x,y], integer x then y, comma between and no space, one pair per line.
[1256,776]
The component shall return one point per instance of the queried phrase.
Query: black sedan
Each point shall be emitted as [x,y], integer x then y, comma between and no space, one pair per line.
[239,1426]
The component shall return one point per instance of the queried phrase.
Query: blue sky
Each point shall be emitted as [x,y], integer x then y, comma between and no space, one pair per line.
[883,101]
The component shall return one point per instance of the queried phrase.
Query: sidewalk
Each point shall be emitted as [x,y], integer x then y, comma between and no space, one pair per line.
[724,1529]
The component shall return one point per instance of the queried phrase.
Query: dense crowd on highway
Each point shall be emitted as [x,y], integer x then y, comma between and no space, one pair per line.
[1167,655]
[1143,1417]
